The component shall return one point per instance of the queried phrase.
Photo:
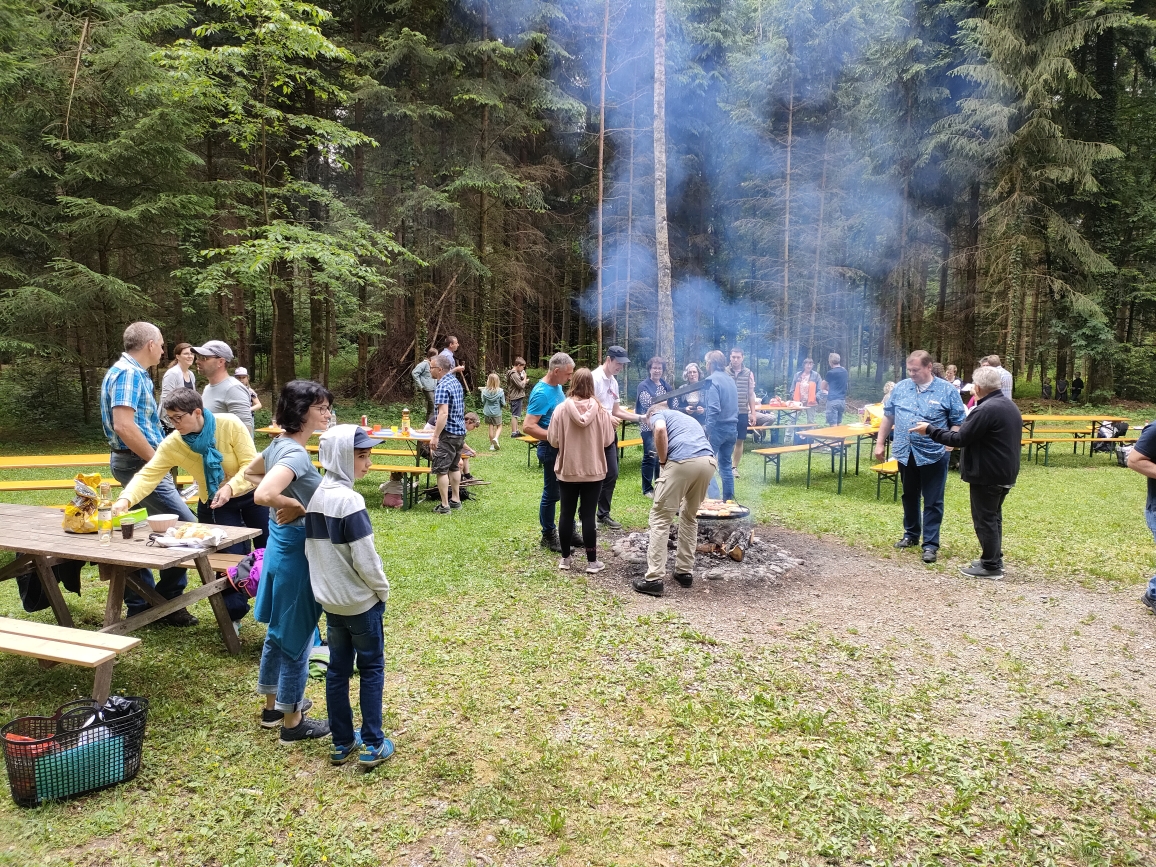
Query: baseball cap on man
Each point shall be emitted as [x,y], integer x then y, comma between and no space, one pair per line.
[215,349]
[617,353]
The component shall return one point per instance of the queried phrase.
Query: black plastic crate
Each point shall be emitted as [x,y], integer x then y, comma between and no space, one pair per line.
[80,748]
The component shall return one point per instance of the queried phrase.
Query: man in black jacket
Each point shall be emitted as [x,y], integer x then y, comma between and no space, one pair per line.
[990,437]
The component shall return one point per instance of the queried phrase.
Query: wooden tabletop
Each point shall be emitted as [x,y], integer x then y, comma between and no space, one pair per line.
[1073,418]
[37,530]
[839,432]
[412,436]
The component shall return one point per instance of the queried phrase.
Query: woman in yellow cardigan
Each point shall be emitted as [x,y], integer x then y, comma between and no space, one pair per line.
[212,448]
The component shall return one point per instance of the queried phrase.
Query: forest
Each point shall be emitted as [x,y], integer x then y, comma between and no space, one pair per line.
[333,187]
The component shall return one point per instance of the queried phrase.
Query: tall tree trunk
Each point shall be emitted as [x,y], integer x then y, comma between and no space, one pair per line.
[970,300]
[665,332]
[602,158]
[818,252]
[284,328]
[317,331]
[792,357]
[941,303]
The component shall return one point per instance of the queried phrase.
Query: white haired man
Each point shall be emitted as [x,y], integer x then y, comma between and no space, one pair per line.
[990,438]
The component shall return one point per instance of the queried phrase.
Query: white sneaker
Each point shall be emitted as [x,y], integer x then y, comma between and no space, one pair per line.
[564,564]
[237,627]
[596,566]
[493,447]
[649,495]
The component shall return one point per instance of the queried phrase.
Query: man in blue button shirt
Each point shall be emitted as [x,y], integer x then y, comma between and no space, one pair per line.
[922,397]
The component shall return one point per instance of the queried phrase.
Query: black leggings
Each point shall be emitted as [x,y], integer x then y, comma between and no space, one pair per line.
[570,495]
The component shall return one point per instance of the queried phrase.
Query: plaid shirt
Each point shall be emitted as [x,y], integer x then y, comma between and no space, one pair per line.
[129,384]
[449,392]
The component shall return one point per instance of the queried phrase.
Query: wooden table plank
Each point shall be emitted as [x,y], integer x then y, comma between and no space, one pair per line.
[55,651]
[101,640]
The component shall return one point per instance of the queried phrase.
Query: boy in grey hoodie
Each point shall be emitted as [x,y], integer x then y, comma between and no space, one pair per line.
[350,585]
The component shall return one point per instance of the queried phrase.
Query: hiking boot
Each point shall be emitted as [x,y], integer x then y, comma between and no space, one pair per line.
[180,617]
[650,588]
[929,554]
[594,567]
[306,730]
[271,718]
[906,542]
[340,755]
[371,757]
[551,542]
[439,509]
[981,572]
[684,579]
[607,521]
[455,504]
[564,564]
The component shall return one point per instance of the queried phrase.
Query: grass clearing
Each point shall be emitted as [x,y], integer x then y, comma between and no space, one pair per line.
[540,720]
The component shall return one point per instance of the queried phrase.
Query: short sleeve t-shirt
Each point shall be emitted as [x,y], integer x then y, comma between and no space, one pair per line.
[606,389]
[544,399]
[1146,446]
[285,452]
[684,436]
[836,384]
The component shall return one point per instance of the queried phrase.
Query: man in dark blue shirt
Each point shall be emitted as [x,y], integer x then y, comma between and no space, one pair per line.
[1142,459]
[836,390]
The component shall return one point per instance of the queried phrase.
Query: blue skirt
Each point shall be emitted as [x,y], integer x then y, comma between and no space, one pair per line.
[285,596]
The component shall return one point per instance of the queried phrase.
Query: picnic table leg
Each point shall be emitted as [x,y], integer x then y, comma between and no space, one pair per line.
[858,439]
[102,682]
[113,606]
[52,591]
[778,467]
[809,467]
[224,622]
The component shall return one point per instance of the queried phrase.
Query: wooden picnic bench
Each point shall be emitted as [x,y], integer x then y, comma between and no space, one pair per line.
[62,484]
[1046,442]
[32,462]
[774,454]
[56,644]
[624,444]
[531,444]
[887,470]
[408,482]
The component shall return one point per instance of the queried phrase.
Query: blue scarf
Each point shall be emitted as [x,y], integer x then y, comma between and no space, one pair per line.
[205,444]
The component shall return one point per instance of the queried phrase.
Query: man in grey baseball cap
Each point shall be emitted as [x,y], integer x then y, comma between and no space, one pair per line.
[224,393]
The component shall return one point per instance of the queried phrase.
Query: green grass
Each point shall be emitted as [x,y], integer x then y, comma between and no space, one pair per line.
[542,721]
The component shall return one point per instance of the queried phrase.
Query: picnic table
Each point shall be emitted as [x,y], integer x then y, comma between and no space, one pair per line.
[1030,421]
[411,440]
[835,437]
[35,532]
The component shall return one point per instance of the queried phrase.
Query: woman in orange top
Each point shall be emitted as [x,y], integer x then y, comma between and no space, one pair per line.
[807,388]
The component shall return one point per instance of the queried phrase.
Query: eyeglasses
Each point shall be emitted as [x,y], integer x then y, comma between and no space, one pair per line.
[177,417]
[325,408]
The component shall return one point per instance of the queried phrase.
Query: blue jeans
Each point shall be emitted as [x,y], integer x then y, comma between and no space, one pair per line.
[649,461]
[357,635]
[925,482]
[282,676]
[547,454]
[163,500]
[1150,519]
[835,410]
[722,440]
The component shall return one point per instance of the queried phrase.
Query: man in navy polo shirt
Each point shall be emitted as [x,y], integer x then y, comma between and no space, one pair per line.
[922,397]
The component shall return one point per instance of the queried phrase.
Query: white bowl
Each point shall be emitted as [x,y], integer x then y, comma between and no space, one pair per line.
[160,523]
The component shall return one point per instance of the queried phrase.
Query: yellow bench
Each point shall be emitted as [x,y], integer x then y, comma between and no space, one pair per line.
[409,480]
[624,444]
[33,462]
[774,454]
[887,470]
[52,644]
[62,484]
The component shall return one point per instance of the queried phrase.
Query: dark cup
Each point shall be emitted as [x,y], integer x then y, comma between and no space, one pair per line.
[127,526]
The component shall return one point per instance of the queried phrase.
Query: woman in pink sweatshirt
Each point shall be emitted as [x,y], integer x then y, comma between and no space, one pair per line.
[580,430]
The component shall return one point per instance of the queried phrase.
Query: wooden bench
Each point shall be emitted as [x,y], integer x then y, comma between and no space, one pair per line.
[408,480]
[763,428]
[53,644]
[773,455]
[531,444]
[624,444]
[887,470]
[1046,442]
[32,462]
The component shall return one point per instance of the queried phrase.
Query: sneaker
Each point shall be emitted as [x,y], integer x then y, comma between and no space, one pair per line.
[371,757]
[564,564]
[341,755]
[648,494]
[306,730]
[497,445]
[929,554]
[469,477]
[1149,601]
[650,588]
[439,509]
[493,447]
[237,627]
[684,579]
[271,719]
[551,542]
[455,504]
[981,572]
[515,434]
[906,542]
[978,564]
[607,521]
[180,617]
[595,567]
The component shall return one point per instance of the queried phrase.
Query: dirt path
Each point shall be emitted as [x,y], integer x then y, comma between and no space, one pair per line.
[1069,640]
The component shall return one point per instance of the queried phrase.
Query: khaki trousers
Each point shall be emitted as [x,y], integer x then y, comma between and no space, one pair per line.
[679,491]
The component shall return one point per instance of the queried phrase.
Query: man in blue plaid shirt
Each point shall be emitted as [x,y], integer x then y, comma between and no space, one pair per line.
[449,434]
[132,423]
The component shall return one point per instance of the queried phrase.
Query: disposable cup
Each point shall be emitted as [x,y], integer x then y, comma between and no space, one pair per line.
[127,526]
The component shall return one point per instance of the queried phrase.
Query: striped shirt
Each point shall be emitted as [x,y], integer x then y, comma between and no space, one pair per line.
[129,384]
[449,392]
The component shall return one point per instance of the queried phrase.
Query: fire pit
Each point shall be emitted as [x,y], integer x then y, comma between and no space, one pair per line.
[724,528]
